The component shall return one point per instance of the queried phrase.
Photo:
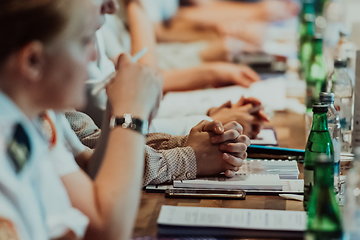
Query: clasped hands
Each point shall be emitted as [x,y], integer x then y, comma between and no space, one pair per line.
[218,148]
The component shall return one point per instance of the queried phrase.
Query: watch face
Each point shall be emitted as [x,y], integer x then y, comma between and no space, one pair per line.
[129,122]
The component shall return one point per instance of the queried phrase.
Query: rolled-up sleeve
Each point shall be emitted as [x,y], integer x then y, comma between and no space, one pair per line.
[167,165]
[162,141]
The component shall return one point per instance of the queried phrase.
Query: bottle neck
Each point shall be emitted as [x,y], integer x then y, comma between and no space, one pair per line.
[308,8]
[310,25]
[318,46]
[320,122]
[324,174]
[319,6]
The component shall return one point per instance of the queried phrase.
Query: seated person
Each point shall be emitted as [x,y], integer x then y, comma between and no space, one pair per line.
[245,21]
[43,63]
[139,29]
[186,71]
[161,149]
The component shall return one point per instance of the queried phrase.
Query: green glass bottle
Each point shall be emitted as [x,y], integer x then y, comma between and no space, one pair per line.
[319,142]
[324,220]
[306,34]
[315,73]
[319,7]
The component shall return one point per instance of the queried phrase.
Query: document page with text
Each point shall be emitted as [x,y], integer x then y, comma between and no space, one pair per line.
[276,220]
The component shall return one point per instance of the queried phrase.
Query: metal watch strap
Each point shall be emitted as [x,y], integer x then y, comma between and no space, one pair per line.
[127,121]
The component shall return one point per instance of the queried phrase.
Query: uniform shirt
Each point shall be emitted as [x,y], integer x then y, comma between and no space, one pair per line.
[34,199]
[166,156]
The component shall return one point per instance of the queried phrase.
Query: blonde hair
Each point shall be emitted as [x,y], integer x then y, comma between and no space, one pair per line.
[23,21]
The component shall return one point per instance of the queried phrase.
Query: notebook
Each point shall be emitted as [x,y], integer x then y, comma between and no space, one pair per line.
[239,181]
[286,169]
[231,222]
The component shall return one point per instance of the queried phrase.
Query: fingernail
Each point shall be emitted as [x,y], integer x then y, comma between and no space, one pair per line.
[219,129]
[225,156]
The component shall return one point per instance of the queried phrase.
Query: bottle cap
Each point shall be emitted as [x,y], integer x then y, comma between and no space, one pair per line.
[327,97]
[339,63]
[323,158]
[320,108]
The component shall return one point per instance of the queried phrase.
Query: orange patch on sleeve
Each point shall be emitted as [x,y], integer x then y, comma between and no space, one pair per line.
[7,230]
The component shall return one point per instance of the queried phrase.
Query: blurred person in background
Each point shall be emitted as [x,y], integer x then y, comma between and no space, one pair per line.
[140,34]
[166,157]
[222,23]
[187,70]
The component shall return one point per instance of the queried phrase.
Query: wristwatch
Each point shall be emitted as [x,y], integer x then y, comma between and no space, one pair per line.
[128,121]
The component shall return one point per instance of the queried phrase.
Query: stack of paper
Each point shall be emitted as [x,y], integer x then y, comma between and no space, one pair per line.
[226,222]
[239,181]
[288,187]
[285,169]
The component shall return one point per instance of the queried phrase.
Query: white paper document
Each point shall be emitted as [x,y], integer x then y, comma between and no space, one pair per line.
[239,181]
[273,220]
[265,137]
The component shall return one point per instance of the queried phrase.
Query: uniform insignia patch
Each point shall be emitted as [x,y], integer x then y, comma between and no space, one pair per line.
[19,148]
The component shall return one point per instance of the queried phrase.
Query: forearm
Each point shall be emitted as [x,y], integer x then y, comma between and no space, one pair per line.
[208,15]
[118,183]
[181,31]
[187,79]
[114,195]
[142,34]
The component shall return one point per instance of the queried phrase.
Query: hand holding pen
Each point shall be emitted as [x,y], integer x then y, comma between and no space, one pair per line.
[136,89]
[101,84]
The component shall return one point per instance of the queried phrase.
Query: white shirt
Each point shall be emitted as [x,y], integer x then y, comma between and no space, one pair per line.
[100,69]
[170,55]
[160,10]
[35,199]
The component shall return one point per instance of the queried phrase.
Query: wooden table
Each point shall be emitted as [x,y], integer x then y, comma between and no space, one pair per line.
[290,131]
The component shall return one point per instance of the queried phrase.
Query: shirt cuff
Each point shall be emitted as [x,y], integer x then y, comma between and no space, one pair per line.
[181,163]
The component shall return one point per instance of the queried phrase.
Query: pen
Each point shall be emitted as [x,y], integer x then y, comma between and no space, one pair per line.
[258,110]
[102,84]
[292,197]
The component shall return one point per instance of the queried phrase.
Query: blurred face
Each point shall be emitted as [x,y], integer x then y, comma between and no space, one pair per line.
[67,57]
